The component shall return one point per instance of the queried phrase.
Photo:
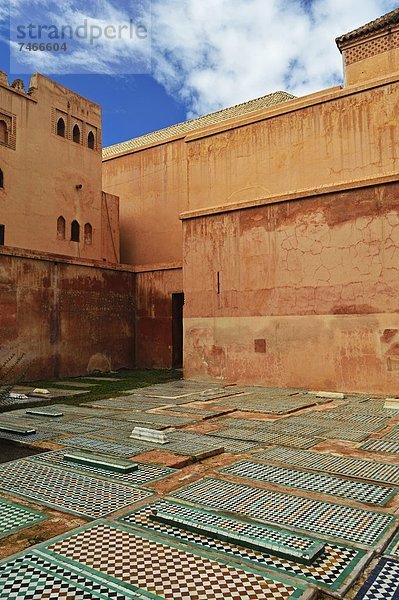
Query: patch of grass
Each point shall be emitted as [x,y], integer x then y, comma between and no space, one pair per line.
[124,380]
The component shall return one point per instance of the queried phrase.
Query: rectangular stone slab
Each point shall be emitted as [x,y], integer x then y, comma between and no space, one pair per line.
[101,461]
[307,556]
[7,428]
[44,413]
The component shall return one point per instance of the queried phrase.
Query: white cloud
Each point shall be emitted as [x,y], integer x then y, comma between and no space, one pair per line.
[210,53]
[215,53]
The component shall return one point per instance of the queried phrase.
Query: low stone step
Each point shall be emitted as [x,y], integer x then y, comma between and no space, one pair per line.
[149,435]
[44,413]
[101,461]
[15,429]
[306,552]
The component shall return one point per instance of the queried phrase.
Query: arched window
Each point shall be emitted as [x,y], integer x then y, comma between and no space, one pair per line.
[76,134]
[61,228]
[75,231]
[1,179]
[88,233]
[3,132]
[90,140]
[61,127]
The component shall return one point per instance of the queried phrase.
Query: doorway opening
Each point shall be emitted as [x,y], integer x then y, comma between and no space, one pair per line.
[177,329]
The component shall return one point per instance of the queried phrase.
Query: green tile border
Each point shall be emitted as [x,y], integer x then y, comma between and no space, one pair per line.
[363,555]
[157,539]
[40,517]
[388,529]
[76,468]
[304,470]
[118,586]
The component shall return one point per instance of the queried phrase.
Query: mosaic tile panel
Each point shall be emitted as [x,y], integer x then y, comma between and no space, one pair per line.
[383,583]
[351,435]
[159,400]
[123,403]
[145,473]
[99,422]
[265,405]
[91,443]
[393,435]
[234,446]
[381,445]
[329,570]
[162,419]
[354,525]
[197,410]
[28,439]
[161,568]
[69,491]
[339,465]
[328,424]
[393,549]
[14,517]
[34,576]
[315,482]
[265,437]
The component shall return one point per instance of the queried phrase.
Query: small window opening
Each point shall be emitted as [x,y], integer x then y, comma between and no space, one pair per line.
[1,179]
[61,228]
[76,134]
[61,127]
[90,140]
[88,233]
[2,234]
[218,282]
[3,132]
[75,231]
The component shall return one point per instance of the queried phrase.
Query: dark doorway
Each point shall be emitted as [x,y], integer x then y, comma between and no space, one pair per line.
[177,329]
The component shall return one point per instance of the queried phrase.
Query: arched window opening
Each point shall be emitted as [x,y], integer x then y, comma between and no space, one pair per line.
[90,140]
[76,134]
[88,233]
[3,132]
[61,228]
[61,127]
[1,179]
[75,231]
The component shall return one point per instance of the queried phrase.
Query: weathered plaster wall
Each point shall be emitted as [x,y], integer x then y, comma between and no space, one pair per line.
[327,141]
[309,293]
[67,318]
[152,187]
[154,316]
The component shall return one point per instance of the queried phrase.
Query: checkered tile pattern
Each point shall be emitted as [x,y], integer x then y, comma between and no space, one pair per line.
[144,474]
[14,517]
[66,490]
[315,482]
[383,583]
[131,403]
[381,445]
[262,402]
[339,465]
[91,443]
[163,569]
[235,446]
[335,520]
[267,437]
[326,570]
[33,583]
[33,576]
[333,422]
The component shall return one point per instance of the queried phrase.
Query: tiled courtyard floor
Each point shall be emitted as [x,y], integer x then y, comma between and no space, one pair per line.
[259,493]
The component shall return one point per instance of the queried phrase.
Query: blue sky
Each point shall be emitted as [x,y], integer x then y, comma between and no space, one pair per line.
[197,55]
